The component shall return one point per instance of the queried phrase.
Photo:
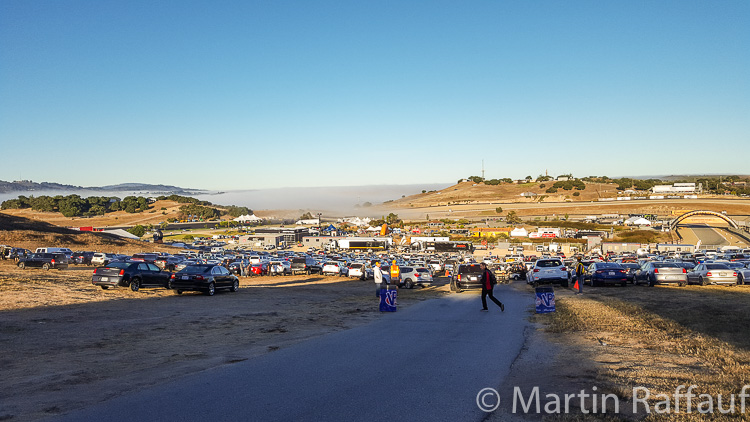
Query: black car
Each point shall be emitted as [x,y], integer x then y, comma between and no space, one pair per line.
[206,278]
[631,268]
[601,273]
[46,261]
[302,265]
[81,258]
[236,266]
[136,274]
[466,276]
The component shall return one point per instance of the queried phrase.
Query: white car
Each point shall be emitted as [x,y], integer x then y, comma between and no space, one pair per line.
[279,268]
[548,271]
[357,270]
[331,268]
[100,259]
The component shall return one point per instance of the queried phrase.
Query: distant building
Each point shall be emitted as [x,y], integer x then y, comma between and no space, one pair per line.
[528,194]
[675,188]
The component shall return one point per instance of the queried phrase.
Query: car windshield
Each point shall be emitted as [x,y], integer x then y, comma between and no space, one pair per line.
[630,265]
[717,267]
[608,266]
[666,265]
[196,269]
[551,263]
[470,269]
[120,265]
[422,270]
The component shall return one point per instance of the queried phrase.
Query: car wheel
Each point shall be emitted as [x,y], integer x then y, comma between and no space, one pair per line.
[702,282]
[22,265]
[211,289]
[179,292]
[104,287]
[45,267]
[135,284]
[236,286]
[408,284]
[740,280]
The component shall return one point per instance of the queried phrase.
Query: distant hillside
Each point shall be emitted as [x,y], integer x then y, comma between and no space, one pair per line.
[29,186]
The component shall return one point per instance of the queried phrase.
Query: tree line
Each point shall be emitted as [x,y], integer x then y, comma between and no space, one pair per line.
[77,206]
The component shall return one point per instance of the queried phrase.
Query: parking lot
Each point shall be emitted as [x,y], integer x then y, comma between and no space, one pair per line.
[69,344]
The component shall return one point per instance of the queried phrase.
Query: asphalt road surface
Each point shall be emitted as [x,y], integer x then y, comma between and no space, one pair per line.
[708,235]
[427,362]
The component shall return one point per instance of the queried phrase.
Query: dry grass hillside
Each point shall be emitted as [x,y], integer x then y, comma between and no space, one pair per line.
[22,232]
[473,193]
[158,212]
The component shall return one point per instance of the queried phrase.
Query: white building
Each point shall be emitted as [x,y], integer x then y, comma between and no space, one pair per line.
[675,188]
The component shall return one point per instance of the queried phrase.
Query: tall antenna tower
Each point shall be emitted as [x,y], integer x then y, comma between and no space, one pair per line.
[482,169]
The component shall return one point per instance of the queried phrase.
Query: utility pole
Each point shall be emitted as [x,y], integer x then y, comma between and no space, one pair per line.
[482,169]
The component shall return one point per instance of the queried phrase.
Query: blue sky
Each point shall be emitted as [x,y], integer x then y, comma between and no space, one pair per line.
[248,94]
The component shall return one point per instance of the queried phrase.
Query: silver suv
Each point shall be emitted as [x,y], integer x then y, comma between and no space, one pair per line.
[415,275]
[548,271]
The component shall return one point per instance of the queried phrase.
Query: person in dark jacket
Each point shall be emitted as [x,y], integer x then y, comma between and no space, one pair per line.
[488,283]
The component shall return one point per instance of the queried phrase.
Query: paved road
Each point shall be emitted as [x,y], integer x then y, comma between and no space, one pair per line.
[427,362]
[715,236]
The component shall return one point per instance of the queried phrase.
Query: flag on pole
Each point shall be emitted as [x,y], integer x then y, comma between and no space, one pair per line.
[576,286]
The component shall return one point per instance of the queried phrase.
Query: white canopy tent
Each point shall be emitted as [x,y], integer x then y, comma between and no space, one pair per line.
[636,221]
[248,219]
[519,232]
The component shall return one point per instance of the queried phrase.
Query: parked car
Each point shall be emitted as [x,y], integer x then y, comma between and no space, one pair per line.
[743,272]
[45,261]
[411,276]
[187,262]
[548,271]
[466,276]
[260,268]
[14,254]
[147,257]
[657,272]
[206,278]
[81,258]
[234,267]
[631,268]
[101,258]
[302,265]
[168,262]
[357,270]
[331,268]
[712,273]
[602,273]
[279,268]
[136,274]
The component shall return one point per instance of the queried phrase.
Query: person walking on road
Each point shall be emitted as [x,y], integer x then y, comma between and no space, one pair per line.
[377,274]
[488,283]
[580,270]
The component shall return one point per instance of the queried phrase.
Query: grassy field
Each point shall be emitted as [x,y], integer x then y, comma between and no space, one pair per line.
[661,338]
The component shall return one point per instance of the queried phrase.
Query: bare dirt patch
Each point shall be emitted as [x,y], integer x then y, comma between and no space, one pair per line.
[658,338]
[68,344]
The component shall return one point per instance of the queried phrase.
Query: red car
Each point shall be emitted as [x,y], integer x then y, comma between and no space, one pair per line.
[259,269]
